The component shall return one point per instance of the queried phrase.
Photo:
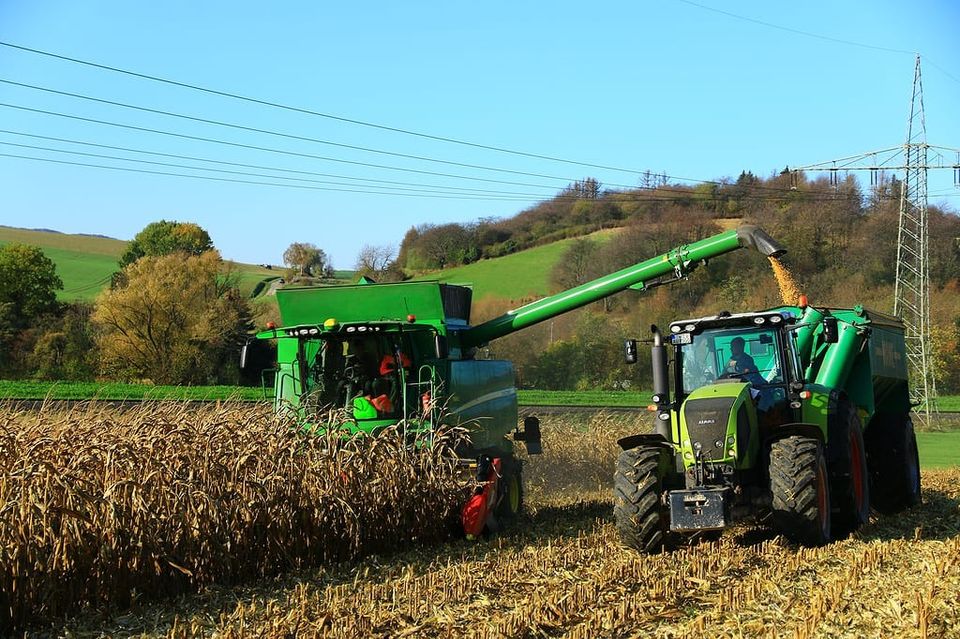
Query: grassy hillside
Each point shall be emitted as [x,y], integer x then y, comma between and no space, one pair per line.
[85,263]
[524,274]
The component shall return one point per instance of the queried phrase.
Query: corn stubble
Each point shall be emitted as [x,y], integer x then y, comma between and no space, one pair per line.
[100,508]
[563,573]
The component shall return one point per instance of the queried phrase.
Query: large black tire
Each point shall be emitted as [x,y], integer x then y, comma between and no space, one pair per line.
[511,492]
[894,464]
[639,517]
[800,488]
[850,479]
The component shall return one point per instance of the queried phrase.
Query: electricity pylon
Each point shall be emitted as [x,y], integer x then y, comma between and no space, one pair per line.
[912,290]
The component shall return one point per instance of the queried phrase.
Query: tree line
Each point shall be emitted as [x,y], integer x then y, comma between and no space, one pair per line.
[842,245]
[173,313]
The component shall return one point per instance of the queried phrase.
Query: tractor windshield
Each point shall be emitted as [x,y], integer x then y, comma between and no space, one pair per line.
[748,354]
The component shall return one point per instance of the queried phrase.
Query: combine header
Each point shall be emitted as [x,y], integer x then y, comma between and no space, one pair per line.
[390,354]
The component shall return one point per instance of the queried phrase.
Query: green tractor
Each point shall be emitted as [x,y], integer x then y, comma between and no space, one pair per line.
[404,355]
[796,415]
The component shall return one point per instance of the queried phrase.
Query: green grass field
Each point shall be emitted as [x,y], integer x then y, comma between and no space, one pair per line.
[939,450]
[25,389]
[85,263]
[521,275]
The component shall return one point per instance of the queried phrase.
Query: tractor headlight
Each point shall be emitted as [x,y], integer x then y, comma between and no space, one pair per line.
[775,319]
[759,320]
[675,328]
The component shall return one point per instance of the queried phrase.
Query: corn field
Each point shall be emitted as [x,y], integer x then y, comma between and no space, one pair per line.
[99,508]
[560,573]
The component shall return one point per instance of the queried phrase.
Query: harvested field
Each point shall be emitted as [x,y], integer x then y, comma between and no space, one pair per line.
[562,573]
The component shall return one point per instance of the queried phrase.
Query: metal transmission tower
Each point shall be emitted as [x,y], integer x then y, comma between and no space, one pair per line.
[912,291]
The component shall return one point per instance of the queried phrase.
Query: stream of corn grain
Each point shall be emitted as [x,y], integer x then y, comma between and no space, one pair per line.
[789,289]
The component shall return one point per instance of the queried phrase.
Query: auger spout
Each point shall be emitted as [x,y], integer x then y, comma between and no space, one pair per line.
[673,264]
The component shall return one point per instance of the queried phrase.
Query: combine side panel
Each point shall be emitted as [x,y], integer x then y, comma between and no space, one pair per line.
[483,391]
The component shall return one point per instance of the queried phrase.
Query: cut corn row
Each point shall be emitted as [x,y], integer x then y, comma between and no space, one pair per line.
[98,507]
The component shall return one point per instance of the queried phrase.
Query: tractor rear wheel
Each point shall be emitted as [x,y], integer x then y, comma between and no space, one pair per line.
[800,487]
[636,505]
[851,485]
[894,464]
[511,492]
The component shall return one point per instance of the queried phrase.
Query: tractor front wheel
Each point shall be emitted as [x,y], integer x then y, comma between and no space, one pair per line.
[636,505]
[800,488]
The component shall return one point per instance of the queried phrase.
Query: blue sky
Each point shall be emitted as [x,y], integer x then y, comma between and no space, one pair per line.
[673,86]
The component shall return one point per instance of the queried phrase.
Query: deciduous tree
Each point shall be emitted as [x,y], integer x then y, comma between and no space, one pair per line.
[166,237]
[378,263]
[307,260]
[28,291]
[174,321]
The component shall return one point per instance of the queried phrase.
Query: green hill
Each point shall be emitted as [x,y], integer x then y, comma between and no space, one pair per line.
[521,275]
[86,262]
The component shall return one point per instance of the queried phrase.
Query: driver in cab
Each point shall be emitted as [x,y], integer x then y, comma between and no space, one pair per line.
[741,363]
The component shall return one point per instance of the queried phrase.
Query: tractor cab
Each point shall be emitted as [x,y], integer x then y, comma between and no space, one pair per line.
[749,348]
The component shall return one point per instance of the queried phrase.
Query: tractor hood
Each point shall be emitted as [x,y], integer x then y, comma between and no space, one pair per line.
[715,424]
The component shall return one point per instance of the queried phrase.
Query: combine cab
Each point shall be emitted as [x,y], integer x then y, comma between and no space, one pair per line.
[795,415]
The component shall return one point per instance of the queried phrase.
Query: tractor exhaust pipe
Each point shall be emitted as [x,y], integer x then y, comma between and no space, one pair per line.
[661,383]
[754,237]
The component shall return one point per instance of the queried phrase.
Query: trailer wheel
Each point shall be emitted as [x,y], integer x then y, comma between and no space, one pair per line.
[511,495]
[851,487]
[894,464]
[800,487]
[636,504]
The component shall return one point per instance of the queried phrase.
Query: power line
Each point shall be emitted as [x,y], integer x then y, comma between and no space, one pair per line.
[818,36]
[350,162]
[493,196]
[290,136]
[277,105]
[808,34]
[249,174]
[243,165]
[356,147]
[255,147]
[216,179]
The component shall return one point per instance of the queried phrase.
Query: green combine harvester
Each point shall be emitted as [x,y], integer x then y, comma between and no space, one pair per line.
[795,415]
[403,354]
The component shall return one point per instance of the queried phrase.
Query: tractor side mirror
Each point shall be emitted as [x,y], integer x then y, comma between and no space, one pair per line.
[831,331]
[440,346]
[630,351]
[243,356]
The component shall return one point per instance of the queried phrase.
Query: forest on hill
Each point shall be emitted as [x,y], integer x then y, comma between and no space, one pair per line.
[842,246]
